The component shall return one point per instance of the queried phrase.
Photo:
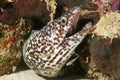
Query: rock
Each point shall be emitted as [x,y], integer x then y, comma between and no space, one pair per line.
[37,9]
[105,44]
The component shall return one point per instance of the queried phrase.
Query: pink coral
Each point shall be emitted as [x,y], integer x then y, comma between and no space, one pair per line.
[107,5]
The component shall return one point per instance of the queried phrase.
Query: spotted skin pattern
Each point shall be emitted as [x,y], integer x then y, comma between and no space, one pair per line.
[47,50]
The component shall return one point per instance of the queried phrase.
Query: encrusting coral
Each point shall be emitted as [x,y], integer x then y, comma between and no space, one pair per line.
[11,41]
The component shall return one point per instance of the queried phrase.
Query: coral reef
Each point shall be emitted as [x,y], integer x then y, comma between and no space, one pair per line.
[11,41]
[104,43]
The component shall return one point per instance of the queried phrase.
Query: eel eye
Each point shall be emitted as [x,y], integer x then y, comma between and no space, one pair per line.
[64,21]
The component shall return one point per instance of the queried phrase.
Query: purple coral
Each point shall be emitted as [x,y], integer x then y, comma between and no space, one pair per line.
[107,6]
[115,5]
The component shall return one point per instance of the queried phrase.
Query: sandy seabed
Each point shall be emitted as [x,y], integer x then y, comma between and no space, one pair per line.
[31,75]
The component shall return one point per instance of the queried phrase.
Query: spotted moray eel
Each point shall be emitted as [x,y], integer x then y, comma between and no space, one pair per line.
[47,50]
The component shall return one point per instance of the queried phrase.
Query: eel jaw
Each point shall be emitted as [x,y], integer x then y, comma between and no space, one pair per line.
[73,16]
